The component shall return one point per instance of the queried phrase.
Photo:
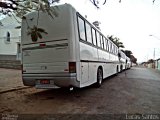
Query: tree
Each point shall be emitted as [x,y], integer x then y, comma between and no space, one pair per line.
[133,59]
[128,53]
[21,7]
[150,61]
[116,41]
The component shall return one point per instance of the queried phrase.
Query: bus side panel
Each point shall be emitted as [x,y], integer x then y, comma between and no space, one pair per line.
[84,72]
[89,55]
[93,67]
[110,63]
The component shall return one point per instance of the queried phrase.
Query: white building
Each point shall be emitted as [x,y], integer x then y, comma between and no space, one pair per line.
[9,39]
[157,64]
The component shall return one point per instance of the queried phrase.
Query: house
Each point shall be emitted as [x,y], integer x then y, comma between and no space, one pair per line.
[150,63]
[10,39]
[157,64]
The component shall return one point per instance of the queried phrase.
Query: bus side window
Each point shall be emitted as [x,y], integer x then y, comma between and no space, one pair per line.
[105,43]
[94,37]
[112,48]
[88,33]
[116,50]
[102,42]
[81,29]
[98,39]
[108,46]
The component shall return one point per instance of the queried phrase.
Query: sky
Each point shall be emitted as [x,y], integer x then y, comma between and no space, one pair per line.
[133,21]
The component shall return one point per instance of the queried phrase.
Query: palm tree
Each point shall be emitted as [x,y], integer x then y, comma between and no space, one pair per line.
[133,59]
[116,41]
[128,53]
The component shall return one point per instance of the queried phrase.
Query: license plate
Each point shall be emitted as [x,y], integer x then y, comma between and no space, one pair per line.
[44,81]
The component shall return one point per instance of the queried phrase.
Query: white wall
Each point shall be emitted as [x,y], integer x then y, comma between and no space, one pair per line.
[9,48]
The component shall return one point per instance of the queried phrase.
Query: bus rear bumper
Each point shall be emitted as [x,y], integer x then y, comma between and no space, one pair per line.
[54,80]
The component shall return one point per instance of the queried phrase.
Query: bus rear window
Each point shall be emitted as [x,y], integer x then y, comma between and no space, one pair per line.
[81,29]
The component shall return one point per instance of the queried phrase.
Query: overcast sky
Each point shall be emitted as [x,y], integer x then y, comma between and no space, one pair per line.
[131,20]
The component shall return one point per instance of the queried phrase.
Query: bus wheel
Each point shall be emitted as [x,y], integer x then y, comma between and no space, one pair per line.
[99,77]
[121,69]
[117,70]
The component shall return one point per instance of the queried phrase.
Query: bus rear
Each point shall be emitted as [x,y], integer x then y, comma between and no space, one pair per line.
[48,62]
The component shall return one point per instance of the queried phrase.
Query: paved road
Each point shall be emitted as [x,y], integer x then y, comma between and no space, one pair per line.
[133,91]
[143,73]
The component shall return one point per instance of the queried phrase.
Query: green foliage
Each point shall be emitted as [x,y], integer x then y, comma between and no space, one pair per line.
[36,33]
[116,41]
[150,61]
[133,59]
[128,53]
[22,7]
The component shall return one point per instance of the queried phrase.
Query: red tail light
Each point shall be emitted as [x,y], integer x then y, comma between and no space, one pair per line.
[42,44]
[72,67]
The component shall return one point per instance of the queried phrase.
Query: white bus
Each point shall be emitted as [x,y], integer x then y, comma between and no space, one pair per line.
[128,63]
[74,53]
[125,62]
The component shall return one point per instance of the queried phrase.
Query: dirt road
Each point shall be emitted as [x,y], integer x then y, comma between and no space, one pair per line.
[134,91]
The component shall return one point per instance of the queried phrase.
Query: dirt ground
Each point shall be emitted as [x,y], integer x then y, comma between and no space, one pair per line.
[10,79]
[136,91]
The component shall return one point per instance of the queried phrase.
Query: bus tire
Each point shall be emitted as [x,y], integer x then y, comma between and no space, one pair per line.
[99,77]
[117,71]
[121,68]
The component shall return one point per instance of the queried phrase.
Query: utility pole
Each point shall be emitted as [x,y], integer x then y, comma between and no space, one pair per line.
[154,50]
[155,37]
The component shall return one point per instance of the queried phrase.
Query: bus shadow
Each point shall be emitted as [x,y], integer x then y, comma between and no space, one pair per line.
[59,94]
[65,93]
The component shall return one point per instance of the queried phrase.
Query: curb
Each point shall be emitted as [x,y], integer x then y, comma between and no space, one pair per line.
[14,89]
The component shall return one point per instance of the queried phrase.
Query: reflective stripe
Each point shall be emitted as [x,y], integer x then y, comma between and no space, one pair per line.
[47,46]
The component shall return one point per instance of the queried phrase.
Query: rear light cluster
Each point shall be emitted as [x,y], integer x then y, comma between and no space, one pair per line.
[42,45]
[72,67]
